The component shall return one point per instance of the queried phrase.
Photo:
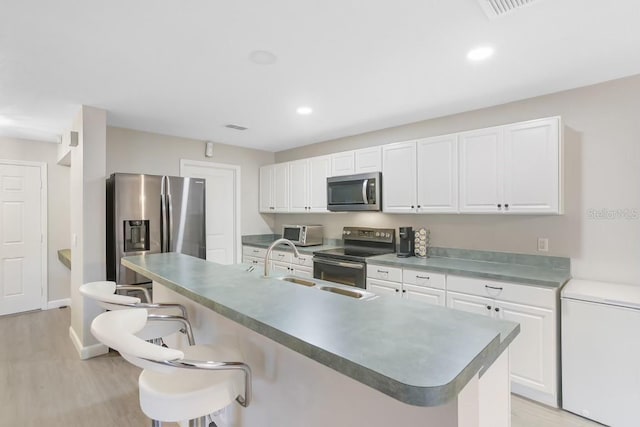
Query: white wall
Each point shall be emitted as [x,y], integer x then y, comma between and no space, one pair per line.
[133,151]
[88,216]
[602,136]
[58,276]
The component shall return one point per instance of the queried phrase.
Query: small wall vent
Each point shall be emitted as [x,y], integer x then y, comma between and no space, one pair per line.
[236,127]
[495,8]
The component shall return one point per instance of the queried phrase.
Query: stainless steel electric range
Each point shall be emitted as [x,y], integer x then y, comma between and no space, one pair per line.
[348,265]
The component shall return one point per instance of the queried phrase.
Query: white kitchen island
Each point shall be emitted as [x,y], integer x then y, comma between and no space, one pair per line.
[323,359]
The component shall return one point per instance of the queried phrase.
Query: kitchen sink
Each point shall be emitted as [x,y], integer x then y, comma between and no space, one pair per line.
[347,291]
[353,293]
[297,281]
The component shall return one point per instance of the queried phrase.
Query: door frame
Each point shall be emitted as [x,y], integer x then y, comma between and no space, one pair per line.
[44,232]
[237,214]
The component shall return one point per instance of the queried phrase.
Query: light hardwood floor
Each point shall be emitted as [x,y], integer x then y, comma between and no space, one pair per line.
[44,383]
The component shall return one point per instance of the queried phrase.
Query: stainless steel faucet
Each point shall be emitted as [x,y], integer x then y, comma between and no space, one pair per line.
[267,257]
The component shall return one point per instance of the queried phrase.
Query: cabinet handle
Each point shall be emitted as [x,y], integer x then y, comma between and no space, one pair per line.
[423,277]
[255,251]
[499,206]
[493,287]
[382,271]
[397,290]
[506,205]
[404,291]
[488,307]
[418,206]
[413,207]
[497,309]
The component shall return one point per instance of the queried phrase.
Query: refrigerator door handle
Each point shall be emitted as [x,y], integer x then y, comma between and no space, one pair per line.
[169,222]
[164,218]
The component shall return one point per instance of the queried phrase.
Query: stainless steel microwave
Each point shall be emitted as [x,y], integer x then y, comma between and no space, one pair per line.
[303,235]
[359,192]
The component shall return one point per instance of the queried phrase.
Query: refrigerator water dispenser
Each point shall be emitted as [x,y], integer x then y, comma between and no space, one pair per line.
[136,234]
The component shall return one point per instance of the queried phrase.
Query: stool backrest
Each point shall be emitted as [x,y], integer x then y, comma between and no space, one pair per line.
[104,293]
[117,329]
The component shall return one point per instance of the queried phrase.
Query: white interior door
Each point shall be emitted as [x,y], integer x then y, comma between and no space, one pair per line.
[223,208]
[22,236]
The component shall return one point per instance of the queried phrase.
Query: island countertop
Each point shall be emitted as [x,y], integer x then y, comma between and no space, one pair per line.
[419,354]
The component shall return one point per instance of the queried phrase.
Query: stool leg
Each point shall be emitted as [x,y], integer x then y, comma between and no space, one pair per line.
[156,423]
[198,422]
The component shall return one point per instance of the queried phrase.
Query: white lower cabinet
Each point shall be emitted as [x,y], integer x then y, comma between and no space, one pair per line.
[281,261]
[408,284]
[534,353]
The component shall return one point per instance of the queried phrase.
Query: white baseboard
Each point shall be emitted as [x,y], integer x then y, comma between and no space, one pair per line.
[89,351]
[64,302]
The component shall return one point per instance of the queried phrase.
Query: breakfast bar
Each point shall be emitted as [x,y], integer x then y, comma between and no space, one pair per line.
[321,358]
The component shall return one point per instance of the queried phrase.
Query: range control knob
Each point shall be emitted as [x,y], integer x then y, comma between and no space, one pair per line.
[377,234]
[348,232]
[387,235]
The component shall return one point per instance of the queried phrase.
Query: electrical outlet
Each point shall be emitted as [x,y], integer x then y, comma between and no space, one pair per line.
[543,244]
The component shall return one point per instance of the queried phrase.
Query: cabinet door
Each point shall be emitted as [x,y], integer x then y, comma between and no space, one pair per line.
[438,174]
[343,163]
[266,189]
[424,294]
[319,170]
[481,171]
[302,271]
[279,267]
[281,187]
[533,353]
[399,177]
[298,186]
[368,160]
[470,303]
[532,167]
[380,287]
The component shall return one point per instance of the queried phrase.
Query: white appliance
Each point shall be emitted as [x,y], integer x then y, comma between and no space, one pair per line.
[601,352]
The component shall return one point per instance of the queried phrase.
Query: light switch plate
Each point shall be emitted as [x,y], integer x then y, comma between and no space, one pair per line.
[543,244]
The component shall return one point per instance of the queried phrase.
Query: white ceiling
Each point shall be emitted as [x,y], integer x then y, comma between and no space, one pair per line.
[182,67]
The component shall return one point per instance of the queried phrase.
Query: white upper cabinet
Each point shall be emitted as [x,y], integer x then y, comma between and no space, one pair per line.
[319,171]
[399,177]
[532,174]
[438,174]
[299,186]
[308,184]
[274,188]
[512,169]
[368,160]
[343,163]
[280,193]
[481,171]
[267,174]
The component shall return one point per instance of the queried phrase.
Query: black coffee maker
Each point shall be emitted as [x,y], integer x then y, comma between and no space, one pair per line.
[406,242]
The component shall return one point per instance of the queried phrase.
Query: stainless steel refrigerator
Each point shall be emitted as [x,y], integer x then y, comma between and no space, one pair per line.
[148,214]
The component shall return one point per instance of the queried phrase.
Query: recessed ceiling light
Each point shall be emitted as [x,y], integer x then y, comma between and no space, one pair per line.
[480,53]
[304,111]
[263,57]
[4,121]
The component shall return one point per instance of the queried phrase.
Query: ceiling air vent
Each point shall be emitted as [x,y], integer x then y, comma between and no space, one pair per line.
[236,127]
[495,8]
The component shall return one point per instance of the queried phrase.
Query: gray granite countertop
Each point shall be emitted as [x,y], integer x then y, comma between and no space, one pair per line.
[542,274]
[265,240]
[417,353]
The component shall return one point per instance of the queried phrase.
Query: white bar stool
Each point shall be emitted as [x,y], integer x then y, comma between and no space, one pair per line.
[168,322]
[176,385]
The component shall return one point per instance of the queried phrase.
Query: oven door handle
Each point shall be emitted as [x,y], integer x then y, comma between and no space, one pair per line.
[352,265]
[364,191]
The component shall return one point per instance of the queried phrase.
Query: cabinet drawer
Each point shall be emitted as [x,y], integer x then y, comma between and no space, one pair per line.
[303,260]
[424,278]
[252,260]
[281,256]
[504,291]
[383,272]
[253,251]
